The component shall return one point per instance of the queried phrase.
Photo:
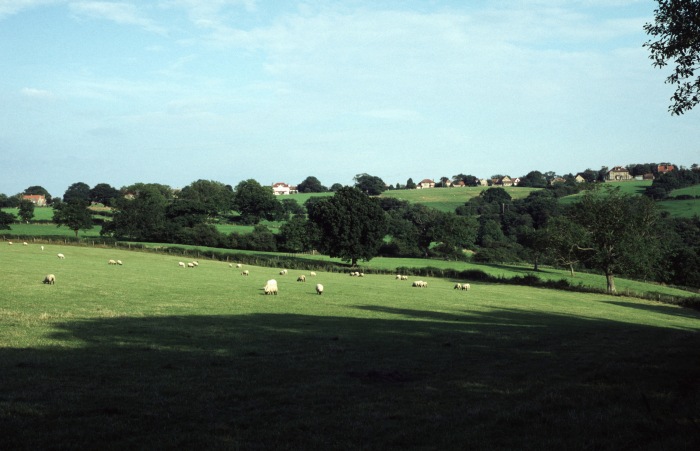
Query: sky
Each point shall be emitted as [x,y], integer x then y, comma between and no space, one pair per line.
[173,91]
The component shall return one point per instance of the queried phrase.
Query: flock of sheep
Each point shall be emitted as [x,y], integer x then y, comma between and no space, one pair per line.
[271,287]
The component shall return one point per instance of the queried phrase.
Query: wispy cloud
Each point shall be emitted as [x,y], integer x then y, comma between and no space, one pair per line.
[118,12]
[35,93]
[9,7]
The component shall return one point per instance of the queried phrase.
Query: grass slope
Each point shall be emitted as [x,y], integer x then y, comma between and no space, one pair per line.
[447,199]
[149,355]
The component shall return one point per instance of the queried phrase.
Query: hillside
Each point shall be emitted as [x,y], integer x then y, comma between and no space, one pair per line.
[150,355]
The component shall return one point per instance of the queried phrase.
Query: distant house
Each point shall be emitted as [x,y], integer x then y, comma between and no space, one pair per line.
[648,176]
[37,199]
[425,183]
[664,168]
[618,174]
[516,181]
[503,181]
[459,184]
[556,180]
[483,182]
[579,178]
[281,189]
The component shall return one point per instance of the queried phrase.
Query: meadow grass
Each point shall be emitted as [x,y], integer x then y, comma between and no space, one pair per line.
[447,199]
[149,355]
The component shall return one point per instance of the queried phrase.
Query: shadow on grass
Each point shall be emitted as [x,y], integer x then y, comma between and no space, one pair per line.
[657,308]
[409,379]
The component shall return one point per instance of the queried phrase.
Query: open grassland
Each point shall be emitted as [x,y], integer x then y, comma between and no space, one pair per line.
[631,187]
[149,355]
[447,199]
[681,208]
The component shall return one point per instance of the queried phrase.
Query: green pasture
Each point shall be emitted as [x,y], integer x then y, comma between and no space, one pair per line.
[681,208]
[631,187]
[40,213]
[447,199]
[690,191]
[150,355]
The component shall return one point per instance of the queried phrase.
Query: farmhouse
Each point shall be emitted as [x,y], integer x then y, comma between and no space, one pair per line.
[579,178]
[282,189]
[503,181]
[37,199]
[664,168]
[425,183]
[618,174]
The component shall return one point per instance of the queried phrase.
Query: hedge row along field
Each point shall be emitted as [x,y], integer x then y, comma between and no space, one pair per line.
[151,355]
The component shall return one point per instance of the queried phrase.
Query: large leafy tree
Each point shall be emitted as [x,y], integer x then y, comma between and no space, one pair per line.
[620,233]
[676,34]
[255,202]
[73,214]
[370,184]
[77,191]
[311,185]
[140,216]
[351,225]
[104,193]
[214,197]
[26,210]
[5,220]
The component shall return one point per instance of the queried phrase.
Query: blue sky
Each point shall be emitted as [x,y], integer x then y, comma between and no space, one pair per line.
[172,91]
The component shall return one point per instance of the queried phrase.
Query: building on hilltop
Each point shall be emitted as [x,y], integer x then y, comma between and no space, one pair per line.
[425,183]
[37,199]
[283,189]
[618,174]
[664,168]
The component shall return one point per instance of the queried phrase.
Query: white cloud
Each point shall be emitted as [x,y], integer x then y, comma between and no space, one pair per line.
[9,7]
[37,93]
[118,12]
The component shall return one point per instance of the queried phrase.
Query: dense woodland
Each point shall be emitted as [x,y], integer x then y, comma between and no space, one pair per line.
[604,230]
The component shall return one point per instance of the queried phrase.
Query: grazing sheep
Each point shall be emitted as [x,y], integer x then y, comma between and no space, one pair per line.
[271,287]
[404,277]
[398,277]
[238,265]
[119,262]
[195,262]
[9,243]
[319,288]
[301,278]
[420,284]
[182,264]
[190,265]
[42,247]
[230,265]
[312,274]
[50,279]
[458,286]
[466,287]
[360,274]
[283,272]
[60,256]
[245,273]
[25,244]
[112,262]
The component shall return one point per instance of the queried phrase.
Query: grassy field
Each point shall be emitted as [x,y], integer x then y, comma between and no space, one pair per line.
[149,355]
[447,199]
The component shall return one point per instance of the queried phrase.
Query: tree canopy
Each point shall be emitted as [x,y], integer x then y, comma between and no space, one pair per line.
[255,202]
[311,185]
[77,191]
[676,30]
[370,184]
[73,214]
[351,225]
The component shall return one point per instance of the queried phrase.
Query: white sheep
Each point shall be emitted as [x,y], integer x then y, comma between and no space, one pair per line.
[42,247]
[458,286]
[271,287]
[312,274]
[112,262]
[9,243]
[283,272]
[245,273]
[466,286]
[319,288]
[190,265]
[230,265]
[301,278]
[398,277]
[60,256]
[119,262]
[25,244]
[420,284]
[195,262]
[181,264]
[404,277]
[50,279]
[238,265]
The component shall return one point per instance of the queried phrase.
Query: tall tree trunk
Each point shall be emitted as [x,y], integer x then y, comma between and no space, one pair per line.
[610,279]
[571,270]
[353,262]
[536,265]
